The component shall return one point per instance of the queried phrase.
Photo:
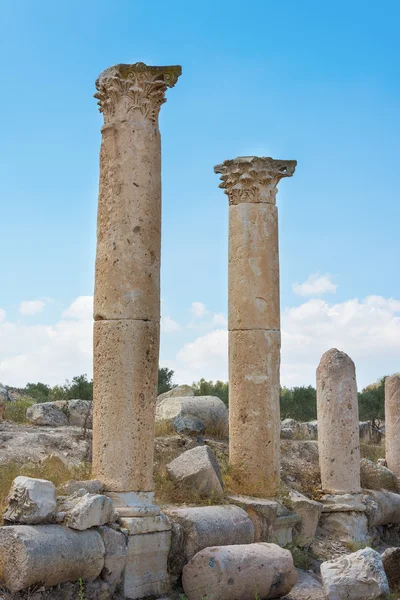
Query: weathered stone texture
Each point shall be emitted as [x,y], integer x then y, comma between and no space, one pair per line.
[92,510]
[338,423]
[392,421]
[125,380]
[48,554]
[198,470]
[254,358]
[208,409]
[391,564]
[224,572]
[31,501]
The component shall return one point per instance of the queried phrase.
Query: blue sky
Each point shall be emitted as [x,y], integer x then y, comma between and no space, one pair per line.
[312,81]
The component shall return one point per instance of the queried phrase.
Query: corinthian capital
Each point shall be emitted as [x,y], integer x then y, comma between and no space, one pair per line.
[137,87]
[252,178]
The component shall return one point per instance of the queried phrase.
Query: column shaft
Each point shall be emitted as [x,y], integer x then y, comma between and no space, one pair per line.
[338,424]
[392,422]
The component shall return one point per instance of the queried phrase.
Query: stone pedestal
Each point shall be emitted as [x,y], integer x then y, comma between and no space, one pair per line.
[127,313]
[392,421]
[254,316]
[339,448]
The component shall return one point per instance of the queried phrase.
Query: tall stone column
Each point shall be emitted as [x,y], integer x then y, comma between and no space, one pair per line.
[392,421]
[254,316]
[339,447]
[127,282]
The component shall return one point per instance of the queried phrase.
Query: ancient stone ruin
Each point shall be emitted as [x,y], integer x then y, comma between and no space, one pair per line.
[106,538]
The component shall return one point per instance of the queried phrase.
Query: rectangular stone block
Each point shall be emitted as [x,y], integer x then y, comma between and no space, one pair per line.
[125,391]
[129,223]
[146,568]
[253,273]
[254,412]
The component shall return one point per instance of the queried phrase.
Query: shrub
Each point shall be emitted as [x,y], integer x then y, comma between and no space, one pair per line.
[16,411]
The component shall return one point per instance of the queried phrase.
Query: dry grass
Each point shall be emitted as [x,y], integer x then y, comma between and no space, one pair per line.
[168,492]
[52,469]
[164,429]
[373,451]
[16,411]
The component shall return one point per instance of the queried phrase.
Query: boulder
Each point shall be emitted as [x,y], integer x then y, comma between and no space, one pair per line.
[31,501]
[176,392]
[345,526]
[262,512]
[5,395]
[198,470]
[91,510]
[116,551]
[188,425]
[241,572]
[286,433]
[90,486]
[310,512]
[206,526]
[391,564]
[80,413]
[46,413]
[357,576]
[382,508]
[209,409]
[377,477]
[49,555]
[366,431]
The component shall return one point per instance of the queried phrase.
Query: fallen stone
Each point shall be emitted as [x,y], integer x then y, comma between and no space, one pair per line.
[377,477]
[262,512]
[310,512]
[80,413]
[357,576]
[382,508]
[209,409]
[31,501]
[90,486]
[116,551]
[308,587]
[345,526]
[241,572]
[207,526]
[198,470]
[286,433]
[49,555]
[47,414]
[391,564]
[176,392]
[92,510]
[188,425]
[146,566]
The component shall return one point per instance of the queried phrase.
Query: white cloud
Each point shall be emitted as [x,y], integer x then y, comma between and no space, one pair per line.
[31,307]
[315,285]
[219,320]
[198,310]
[168,325]
[81,308]
[2,315]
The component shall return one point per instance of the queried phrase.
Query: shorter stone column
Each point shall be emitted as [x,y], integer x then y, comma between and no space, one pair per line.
[392,422]
[339,447]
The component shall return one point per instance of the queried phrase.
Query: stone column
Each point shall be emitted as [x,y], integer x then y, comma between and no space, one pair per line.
[392,421]
[254,316]
[339,447]
[127,281]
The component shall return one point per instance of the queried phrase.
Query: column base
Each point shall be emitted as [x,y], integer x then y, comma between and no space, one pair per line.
[342,503]
[149,541]
[343,517]
[134,504]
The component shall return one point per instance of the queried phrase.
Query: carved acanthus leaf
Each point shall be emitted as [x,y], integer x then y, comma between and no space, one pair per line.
[252,179]
[125,88]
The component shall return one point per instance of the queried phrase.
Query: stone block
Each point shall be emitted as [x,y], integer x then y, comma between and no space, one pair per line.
[391,564]
[254,399]
[91,510]
[377,477]
[80,413]
[176,392]
[357,576]
[198,470]
[49,555]
[46,413]
[90,486]
[245,571]
[31,501]
[310,512]
[382,508]
[116,551]
[141,525]
[188,425]
[253,281]
[345,526]
[208,409]
[121,460]
[211,526]
[262,512]
[146,572]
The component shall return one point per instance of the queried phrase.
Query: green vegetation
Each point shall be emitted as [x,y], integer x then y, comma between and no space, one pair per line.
[299,403]
[165,380]
[371,402]
[16,411]
[211,388]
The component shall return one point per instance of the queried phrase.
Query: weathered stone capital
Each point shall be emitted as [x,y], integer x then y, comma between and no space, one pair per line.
[253,179]
[137,87]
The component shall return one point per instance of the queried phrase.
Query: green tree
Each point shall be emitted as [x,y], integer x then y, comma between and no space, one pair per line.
[299,403]
[40,392]
[165,380]
[80,387]
[211,388]
[371,402]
